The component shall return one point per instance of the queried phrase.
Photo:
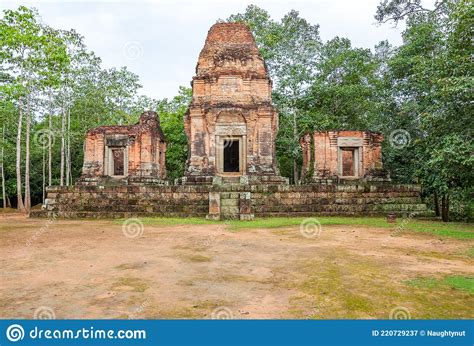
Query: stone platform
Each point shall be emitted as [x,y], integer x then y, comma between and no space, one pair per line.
[232,201]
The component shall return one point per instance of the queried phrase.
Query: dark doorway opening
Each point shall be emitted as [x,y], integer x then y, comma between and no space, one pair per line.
[119,168]
[231,156]
[348,162]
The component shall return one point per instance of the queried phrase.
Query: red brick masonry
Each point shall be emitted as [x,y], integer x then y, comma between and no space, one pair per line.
[142,147]
[231,101]
[259,200]
[342,155]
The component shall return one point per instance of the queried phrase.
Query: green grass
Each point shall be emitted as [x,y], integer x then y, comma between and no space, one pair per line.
[458,282]
[470,252]
[133,283]
[174,221]
[453,229]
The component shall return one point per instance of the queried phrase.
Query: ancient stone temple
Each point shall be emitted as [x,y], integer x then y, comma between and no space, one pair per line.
[131,154]
[350,155]
[231,171]
[231,123]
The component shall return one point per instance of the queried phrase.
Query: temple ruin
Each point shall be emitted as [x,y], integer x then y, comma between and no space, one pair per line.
[336,155]
[131,154]
[231,123]
[231,171]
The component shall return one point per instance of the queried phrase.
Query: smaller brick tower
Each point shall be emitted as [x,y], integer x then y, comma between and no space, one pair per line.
[125,154]
[342,155]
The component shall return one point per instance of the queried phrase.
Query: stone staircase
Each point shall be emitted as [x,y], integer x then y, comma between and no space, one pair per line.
[230,199]
[230,205]
[231,180]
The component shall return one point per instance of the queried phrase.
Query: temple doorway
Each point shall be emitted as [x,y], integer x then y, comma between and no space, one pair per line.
[118,161]
[231,156]
[349,162]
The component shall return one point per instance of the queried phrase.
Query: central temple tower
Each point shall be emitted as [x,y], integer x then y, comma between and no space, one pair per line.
[231,123]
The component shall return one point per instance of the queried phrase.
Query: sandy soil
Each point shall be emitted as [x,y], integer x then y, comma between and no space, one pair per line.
[90,269]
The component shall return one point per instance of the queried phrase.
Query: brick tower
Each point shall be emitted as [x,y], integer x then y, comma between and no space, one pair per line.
[231,123]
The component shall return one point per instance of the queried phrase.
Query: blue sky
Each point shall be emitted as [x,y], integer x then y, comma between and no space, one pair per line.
[160,40]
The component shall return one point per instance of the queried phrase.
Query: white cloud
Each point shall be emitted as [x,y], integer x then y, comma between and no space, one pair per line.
[171,33]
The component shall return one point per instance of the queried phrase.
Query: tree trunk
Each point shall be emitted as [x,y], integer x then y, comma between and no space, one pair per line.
[68,148]
[2,168]
[27,157]
[50,146]
[295,161]
[19,194]
[436,204]
[44,177]
[445,208]
[63,125]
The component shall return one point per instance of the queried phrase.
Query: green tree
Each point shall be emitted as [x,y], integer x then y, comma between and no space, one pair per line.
[171,113]
[290,48]
[432,81]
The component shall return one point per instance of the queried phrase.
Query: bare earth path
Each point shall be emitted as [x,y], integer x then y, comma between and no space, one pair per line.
[90,269]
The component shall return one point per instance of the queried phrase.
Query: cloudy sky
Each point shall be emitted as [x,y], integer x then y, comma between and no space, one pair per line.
[160,40]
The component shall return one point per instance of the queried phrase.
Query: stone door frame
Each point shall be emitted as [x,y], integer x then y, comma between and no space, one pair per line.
[242,139]
[109,161]
[356,162]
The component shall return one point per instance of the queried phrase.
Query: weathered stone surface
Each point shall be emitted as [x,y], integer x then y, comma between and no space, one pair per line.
[139,149]
[214,206]
[231,102]
[339,155]
[220,202]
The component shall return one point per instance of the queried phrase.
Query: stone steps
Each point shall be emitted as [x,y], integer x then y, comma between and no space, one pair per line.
[230,205]
[231,180]
[232,201]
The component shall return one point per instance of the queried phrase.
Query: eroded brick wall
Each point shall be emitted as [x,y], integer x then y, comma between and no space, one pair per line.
[263,200]
[323,154]
[231,100]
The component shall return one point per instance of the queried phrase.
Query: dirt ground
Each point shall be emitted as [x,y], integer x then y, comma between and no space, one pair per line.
[90,269]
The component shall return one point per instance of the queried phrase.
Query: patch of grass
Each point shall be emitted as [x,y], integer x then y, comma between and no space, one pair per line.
[423,282]
[200,309]
[458,282]
[278,222]
[175,313]
[470,252]
[461,255]
[452,229]
[174,221]
[332,291]
[199,258]
[125,266]
[130,283]
[346,285]
[456,230]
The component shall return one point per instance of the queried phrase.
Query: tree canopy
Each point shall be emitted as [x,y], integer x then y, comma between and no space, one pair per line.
[418,94]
